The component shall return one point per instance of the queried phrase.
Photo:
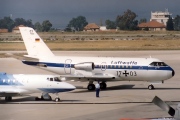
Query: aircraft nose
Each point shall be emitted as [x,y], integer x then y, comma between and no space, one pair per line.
[72,87]
[173,72]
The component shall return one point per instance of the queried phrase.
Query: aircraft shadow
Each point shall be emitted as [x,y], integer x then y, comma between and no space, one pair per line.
[123,87]
[31,100]
[119,87]
[157,88]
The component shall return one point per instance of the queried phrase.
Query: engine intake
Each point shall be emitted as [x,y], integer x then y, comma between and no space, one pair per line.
[87,66]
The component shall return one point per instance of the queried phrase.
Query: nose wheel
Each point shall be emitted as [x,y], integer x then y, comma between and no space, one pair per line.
[57,99]
[150,87]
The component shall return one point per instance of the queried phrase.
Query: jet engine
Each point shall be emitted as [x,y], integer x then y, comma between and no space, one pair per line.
[87,66]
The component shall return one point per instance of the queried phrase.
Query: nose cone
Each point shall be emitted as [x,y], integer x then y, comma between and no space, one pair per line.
[170,72]
[173,72]
[70,87]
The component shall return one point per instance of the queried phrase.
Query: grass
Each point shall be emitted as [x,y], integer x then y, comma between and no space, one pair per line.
[102,45]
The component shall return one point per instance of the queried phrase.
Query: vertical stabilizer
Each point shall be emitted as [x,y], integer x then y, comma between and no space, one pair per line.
[35,46]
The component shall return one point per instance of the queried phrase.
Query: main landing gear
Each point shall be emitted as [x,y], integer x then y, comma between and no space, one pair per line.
[46,96]
[151,87]
[91,86]
[8,98]
[103,85]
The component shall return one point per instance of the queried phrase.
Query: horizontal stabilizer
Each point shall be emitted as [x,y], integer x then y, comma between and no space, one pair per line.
[30,58]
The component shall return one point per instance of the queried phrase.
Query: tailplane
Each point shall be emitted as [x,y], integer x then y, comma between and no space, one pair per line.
[35,46]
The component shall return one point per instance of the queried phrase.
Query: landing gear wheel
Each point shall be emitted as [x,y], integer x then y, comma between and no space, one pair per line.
[103,85]
[50,98]
[9,98]
[150,87]
[91,87]
[57,99]
[42,98]
[36,98]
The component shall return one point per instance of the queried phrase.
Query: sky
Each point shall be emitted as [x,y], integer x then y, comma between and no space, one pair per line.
[60,12]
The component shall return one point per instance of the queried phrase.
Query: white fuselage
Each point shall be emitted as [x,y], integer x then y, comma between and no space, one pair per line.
[19,84]
[123,69]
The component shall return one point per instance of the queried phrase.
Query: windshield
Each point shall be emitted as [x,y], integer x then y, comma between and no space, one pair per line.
[57,79]
[158,64]
[54,79]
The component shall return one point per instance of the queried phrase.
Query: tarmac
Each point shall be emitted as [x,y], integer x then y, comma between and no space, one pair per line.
[120,99]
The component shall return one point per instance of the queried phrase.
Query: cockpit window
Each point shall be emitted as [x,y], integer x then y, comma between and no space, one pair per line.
[51,79]
[158,64]
[54,79]
[57,79]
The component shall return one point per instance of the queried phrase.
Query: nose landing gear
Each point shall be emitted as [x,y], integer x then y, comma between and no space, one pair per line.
[57,99]
[151,87]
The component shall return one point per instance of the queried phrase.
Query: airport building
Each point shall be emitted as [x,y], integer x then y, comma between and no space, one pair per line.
[158,21]
[161,17]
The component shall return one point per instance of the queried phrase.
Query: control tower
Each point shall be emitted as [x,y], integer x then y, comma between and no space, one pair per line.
[161,17]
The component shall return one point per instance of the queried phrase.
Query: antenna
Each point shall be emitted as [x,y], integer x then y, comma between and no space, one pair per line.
[166,10]
[11,16]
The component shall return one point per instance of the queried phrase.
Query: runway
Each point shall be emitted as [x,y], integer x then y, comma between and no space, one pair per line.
[120,100]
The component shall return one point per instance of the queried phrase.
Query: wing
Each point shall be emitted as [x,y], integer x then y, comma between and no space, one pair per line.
[11,92]
[83,78]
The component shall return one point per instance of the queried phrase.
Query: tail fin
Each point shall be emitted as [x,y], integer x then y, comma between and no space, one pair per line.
[35,46]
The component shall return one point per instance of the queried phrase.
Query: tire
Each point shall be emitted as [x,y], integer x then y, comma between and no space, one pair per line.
[150,87]
[36,98]
[9,98]
[103,85]
[91,87]
[57,99]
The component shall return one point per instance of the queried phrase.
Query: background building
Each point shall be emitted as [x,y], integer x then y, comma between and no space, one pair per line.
[91,27]
[161,17]
[152,26]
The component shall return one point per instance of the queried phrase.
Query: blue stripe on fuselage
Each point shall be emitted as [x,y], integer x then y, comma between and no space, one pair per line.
[99,67]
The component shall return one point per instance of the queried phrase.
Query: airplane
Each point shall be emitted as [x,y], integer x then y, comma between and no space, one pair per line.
[102,69]
[12,85]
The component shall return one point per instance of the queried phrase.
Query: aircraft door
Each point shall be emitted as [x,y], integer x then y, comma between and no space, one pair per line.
[67,66]
[103,66]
